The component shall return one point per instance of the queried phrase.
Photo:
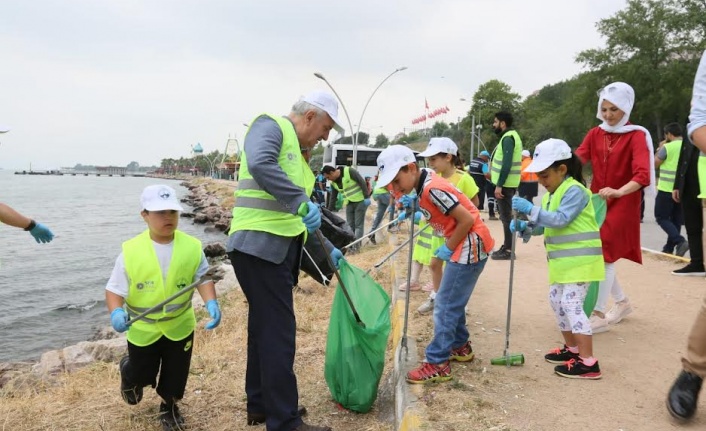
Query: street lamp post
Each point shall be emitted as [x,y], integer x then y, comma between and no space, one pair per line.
[355,137]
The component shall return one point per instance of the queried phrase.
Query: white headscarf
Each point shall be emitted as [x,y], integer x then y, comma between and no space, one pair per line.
[622,95]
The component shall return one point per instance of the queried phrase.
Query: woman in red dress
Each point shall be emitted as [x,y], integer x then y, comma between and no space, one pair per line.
[622,157]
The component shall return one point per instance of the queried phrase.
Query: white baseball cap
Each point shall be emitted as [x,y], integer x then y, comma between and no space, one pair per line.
[326,102]
[547,152]
[159,198]
[4,128]
[440,145]
[526,153]
[391,160]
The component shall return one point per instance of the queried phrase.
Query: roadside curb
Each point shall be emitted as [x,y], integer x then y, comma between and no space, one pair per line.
[407,416]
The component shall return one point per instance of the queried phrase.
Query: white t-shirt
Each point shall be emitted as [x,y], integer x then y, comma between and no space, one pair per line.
[119,282]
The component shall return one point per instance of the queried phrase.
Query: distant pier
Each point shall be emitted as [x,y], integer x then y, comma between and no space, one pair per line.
[109,171]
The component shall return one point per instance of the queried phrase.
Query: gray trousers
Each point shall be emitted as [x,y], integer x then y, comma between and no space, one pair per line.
[355,216]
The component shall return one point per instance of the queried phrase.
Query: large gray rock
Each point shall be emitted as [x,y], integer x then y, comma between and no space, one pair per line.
[79,355]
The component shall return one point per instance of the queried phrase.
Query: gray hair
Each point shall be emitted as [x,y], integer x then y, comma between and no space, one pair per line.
[301,107]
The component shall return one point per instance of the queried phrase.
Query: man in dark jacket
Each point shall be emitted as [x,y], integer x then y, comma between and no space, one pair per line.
[686,190]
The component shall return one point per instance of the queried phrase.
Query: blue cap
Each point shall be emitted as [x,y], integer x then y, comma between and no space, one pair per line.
[484,153]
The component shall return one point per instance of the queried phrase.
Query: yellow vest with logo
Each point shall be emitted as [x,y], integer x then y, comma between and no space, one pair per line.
[574,252]
[702,175]
[668,168]
[513,177]
[257,210]
[351,189]
[147,288]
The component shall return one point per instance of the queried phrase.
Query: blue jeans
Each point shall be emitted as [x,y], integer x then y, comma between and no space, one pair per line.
[669,217]
[450,330]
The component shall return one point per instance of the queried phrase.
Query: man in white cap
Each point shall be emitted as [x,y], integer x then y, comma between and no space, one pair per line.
[9,216]
[529,184]
[271,215]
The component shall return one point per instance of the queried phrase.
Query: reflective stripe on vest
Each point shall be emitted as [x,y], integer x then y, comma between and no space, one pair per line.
[702,175]
[255,209]
[147,287]
[574,252]
[496,164]
[351,189]
[380,191]
[668,168]
[424,238]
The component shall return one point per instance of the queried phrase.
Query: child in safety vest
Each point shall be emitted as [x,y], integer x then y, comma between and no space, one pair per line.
[574,253]
[152,267]
[466,247]
[442,154]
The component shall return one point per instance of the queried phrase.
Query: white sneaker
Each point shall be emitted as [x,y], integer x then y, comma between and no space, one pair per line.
[618,312]
[427,307]
[598,324]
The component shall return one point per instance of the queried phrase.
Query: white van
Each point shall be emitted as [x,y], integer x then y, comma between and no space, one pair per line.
[342,155]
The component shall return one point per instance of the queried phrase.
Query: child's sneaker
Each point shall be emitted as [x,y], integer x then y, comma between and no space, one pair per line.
[413,286]
[576,369]
[428,373]
[463,353]
[426,307]
[560,355]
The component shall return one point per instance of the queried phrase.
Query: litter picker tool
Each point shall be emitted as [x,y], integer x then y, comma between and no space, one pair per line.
[322,240]
[187,289]
[403,344]
[396,250]
[508,358]
[371,233]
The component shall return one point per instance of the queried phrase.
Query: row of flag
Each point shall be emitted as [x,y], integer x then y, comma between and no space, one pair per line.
[435,113]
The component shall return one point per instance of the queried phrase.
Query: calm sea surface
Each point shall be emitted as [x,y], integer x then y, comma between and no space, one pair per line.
[52,295]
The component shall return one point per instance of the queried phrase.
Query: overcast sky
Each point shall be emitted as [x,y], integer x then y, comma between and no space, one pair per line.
[109,82]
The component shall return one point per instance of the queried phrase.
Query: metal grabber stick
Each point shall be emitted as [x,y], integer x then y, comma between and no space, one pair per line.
[187,289]
[506,352]
[320,236]
[396,250]
[410,215]
[371,233]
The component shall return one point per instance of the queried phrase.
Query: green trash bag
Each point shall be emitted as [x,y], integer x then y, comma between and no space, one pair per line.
[600,207]
[355,354]
[339,201]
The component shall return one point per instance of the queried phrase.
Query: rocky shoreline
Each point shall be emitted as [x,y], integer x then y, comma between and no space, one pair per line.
[212,208]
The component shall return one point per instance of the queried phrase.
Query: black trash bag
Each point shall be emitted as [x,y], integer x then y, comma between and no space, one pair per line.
[337,234]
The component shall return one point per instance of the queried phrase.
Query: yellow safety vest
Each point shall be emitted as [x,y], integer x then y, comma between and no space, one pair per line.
[574,252]
[668,168]
[147,288]
[351,189]
[702,175]
[513,177]
[257,210]
[380,191]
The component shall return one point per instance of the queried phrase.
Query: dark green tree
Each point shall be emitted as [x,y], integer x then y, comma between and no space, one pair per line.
[381,141]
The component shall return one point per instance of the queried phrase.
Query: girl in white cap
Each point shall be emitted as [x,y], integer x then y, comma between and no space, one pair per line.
[574,255]
[622,158]
[442,154]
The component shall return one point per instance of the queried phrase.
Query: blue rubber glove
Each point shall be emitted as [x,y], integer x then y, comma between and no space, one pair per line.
[408,200]
[366,201]
[391,209]
[521,205]
[41,233]
[336,256]
[118,318]
[417,216]
[312,217]
[402,216]
[444,253]
[215,312]
[520,227]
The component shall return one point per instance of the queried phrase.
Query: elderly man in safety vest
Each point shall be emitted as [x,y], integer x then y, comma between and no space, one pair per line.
[271,217]
[505,164]
[356,195]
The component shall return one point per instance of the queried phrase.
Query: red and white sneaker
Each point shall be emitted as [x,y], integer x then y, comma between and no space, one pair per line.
[428,373]
[463,353]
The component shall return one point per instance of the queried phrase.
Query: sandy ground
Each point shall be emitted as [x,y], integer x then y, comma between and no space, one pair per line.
[639,357]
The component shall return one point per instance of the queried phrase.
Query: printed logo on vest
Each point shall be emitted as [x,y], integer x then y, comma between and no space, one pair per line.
[182,283]
[187,346]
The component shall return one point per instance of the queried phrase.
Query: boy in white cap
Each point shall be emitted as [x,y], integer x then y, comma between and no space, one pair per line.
[10,216]
[574,254]
[465,250]
[153,266]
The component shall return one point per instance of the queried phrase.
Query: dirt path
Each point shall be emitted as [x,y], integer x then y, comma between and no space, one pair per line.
[639,357]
